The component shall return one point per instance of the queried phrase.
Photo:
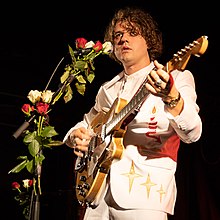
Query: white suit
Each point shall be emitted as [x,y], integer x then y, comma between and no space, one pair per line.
[144,177]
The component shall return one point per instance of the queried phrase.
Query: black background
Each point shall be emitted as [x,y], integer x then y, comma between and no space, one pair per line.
[33,39]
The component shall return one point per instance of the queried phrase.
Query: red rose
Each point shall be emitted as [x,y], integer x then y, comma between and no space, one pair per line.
[27,109]
[30,183]
[15,185]
[42,107]
[98,46]
[80,43]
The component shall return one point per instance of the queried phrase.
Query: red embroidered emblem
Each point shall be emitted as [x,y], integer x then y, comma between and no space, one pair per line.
[153,127]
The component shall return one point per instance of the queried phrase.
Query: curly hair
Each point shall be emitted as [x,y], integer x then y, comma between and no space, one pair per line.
[136,19]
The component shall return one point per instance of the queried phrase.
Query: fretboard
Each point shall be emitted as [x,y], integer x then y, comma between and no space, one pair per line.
[134,103]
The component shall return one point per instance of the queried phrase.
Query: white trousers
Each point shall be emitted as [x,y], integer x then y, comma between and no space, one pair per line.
[110,211]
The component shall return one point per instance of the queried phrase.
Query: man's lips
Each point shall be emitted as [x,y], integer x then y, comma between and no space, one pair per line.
[125,49]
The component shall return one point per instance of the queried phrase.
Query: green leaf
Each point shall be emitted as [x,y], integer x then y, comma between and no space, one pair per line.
[30,166]
[68,96]
[19,167]
[80,79]
[64,76]
[49,131]
[34,148]
[22,158]
[57,97]
[30,137]
[81,65]
[72,53]
[39,159]
[81,88]
[91,77]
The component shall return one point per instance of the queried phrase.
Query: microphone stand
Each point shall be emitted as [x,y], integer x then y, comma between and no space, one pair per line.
[34,210]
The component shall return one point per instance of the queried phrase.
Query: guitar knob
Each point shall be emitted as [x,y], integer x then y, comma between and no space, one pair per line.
[79,187]
[82,193]
[82,178]
[86,186]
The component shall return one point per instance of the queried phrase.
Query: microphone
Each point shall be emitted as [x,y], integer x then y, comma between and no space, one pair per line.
[83,51]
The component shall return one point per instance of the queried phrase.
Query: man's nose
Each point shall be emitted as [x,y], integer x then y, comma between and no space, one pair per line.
[124,37]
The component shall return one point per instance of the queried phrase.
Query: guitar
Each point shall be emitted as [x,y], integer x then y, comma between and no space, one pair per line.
[109,128]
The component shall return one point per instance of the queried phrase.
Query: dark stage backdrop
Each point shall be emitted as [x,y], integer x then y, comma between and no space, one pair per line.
[35,37]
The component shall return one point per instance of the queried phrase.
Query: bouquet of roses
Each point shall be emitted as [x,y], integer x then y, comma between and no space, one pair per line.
[40,134]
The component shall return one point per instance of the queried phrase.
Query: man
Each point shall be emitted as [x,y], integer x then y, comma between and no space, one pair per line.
[141,182]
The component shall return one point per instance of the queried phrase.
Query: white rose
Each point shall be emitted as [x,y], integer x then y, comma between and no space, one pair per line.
[26,183]
[89,44]
[34,96]
[107,47]
[46,96]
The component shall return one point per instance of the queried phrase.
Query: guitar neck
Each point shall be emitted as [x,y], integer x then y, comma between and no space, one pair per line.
[134,104]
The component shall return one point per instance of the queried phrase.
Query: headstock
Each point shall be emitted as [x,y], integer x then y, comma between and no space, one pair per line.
[181,58]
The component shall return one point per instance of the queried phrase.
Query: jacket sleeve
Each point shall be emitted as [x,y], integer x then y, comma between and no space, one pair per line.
[188,124]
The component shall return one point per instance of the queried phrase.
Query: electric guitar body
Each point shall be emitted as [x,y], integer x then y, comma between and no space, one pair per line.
[92,172]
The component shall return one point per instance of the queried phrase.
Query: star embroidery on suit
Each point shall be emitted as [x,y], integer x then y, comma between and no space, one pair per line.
[148,184]
[161,192]
[131,175]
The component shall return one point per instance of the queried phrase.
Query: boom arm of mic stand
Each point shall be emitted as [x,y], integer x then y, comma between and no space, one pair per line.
[23,127]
